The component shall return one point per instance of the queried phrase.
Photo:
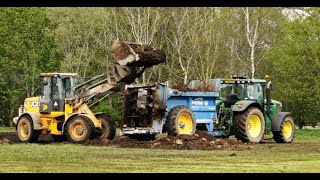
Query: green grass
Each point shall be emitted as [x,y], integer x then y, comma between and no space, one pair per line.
[78,158]
[303,155]
[308,133]
[7,129]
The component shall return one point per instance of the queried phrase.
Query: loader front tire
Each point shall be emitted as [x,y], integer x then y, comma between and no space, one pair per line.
[79,129]
[181,121]
[26,132]
[108,130]
[250,125]
[286,133]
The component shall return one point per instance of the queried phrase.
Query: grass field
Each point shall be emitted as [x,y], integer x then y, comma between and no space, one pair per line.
[303,155]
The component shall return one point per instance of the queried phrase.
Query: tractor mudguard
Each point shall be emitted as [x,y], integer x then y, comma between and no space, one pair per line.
[277,120]
[35,119]
[242,105]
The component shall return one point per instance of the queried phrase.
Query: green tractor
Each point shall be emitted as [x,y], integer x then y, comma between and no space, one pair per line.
[246,110]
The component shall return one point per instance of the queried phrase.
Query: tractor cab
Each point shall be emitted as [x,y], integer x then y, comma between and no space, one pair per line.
[237,89]
[55,88]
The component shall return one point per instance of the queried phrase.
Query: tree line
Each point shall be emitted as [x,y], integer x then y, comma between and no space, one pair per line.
[199,42]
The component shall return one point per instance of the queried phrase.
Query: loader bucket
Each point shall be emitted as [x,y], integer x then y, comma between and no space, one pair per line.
[136,54]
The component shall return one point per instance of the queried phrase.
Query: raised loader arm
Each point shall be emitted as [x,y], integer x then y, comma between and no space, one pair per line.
[131,59]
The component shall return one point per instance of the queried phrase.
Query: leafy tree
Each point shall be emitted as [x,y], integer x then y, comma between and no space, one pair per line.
[27,48]
[295,61]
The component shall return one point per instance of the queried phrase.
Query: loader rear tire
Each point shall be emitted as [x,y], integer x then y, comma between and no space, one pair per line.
[79,129]
[250,125]
[286,133]
[181,121]
[26,132]
[108,130]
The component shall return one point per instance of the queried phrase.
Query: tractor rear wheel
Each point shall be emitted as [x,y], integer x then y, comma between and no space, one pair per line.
[181,121]
[79,129]
[108,129]
[250,125]
[286,133]
[26,132]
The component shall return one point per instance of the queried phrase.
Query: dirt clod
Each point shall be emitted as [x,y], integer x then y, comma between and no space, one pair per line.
[200,141]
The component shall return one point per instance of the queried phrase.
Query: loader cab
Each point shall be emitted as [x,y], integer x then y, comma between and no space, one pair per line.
[55,88]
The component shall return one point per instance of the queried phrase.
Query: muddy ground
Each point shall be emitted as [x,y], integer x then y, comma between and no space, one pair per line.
[199,141]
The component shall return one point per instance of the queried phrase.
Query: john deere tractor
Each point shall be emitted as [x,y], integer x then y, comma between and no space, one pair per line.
[245,109]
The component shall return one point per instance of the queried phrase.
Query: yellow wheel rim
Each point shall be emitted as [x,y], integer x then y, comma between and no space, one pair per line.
[78,130]
[185,124]
[24,129]
[254,126]
[287,129]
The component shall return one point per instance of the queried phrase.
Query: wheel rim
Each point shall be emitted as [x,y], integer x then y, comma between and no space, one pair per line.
[78,130]
[287,129]
[185,124]
[254,126]
[24,129]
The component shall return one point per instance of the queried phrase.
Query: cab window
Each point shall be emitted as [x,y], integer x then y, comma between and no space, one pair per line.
[66,87]
[55,88]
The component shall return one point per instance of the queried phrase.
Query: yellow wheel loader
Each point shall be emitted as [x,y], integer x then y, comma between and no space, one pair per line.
[63,107]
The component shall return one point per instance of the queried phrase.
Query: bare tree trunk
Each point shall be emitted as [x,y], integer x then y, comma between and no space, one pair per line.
[253,70]
[179,38]
[252,40]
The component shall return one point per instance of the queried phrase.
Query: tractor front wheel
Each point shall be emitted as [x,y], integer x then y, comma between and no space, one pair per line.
[181,121]
[286,133]
[250,125]
[26,132]
[108,129]
[79,129]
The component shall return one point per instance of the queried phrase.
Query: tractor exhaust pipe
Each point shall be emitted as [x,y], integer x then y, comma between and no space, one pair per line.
[268,98]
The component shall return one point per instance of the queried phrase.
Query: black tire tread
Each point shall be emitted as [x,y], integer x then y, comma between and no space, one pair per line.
[90,126]
[34,133]
[171,120]
[278,136]
[240,125]
[112,127]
